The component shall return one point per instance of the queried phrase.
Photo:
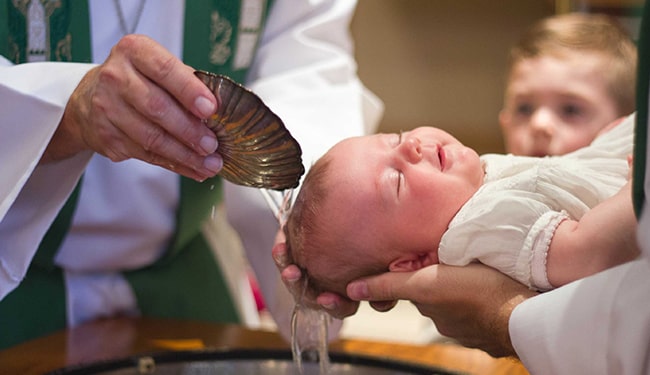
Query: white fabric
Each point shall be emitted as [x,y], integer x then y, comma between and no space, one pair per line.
[508,223]
[29,200]
[305,72]
[596,325]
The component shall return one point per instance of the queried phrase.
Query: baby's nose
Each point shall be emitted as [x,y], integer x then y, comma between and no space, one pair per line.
[411,149]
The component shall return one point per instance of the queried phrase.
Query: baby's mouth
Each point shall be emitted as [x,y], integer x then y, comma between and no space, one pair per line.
[441,158]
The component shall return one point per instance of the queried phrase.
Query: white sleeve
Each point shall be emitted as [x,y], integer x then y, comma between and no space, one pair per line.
[596,325]
[34,97]
[306,73]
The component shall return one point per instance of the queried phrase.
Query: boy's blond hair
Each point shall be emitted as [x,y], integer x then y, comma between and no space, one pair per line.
[584,32]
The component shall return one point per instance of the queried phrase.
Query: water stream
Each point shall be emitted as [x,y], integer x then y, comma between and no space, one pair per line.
[309,337]
[309,327]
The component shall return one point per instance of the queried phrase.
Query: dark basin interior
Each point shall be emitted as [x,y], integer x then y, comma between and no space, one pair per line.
[263,362]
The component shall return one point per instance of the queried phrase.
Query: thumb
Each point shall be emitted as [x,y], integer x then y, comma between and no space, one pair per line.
[385,287]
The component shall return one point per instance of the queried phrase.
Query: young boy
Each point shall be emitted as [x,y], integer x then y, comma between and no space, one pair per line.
[569,76]
[401,202]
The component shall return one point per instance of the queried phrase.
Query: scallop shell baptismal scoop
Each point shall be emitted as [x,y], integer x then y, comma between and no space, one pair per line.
[256,147]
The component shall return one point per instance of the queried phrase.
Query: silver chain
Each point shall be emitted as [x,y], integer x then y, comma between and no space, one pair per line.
[126,30]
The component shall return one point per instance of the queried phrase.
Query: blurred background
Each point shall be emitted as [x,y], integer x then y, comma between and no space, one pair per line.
[442,62]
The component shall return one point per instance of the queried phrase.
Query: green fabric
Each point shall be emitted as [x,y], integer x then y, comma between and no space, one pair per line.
[187,281]
[80,28]
[4,31]
[641,132]
[43,288]
[197,202]
[162,290]
[61,46]
[206,18]
[35,308]
[16,38]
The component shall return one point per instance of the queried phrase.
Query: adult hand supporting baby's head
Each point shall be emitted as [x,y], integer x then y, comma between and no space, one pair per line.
[471,304]
[336,305]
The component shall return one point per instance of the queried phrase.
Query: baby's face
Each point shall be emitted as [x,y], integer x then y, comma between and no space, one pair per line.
[398,193]
[556,105]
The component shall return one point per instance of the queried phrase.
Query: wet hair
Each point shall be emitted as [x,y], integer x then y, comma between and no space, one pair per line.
[583,32]
[302,222]
[312,240]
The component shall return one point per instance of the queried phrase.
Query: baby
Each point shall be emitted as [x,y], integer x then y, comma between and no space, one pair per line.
[400,202]
[569,76]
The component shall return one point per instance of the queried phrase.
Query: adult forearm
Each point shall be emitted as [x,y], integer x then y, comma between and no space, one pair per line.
[604,237]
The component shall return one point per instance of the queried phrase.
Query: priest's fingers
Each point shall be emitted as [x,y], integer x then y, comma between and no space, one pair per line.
[163,68]
[162,89]
[100,117]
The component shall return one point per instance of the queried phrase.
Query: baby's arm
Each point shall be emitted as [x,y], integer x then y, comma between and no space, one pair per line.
[604,237]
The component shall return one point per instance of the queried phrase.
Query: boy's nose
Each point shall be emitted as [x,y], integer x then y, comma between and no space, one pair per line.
[543,122]
[411,150]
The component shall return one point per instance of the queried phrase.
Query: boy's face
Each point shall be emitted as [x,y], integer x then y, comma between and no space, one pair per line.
[398,193]
[556,105]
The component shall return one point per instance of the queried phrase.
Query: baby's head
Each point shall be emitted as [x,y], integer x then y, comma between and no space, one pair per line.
[569,77]
[378,203]
[319,240]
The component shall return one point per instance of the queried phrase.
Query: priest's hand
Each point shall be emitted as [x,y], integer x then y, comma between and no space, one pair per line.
[141,103]
[471,304]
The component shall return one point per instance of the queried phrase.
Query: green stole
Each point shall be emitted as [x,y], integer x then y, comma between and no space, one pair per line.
[186,282]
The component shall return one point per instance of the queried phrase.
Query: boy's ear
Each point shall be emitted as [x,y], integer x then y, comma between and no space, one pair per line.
[504,119]
[412,262]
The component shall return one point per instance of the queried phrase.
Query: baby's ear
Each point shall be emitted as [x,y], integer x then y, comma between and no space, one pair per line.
[412,262]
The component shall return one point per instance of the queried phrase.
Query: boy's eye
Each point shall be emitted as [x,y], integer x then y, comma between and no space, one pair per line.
[571,110]
[524,109]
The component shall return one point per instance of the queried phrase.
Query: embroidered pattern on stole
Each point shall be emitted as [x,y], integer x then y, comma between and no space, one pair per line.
[39,32]
[251,21]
